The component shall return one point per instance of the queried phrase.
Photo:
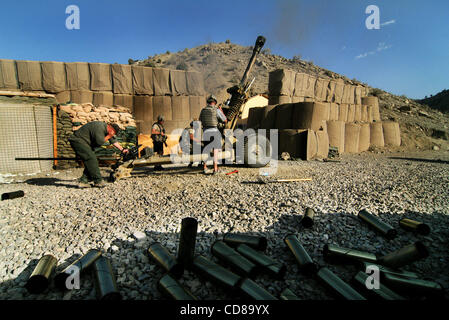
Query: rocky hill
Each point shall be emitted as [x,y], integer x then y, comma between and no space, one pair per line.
[223,64]
[439,101]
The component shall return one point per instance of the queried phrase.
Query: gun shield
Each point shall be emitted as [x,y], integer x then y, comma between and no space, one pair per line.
[336,254]
[382,292]
[252,290]
[338,286]
[384,270]
[287,294]
[232,258]
[171,288]
[267,264]
[40,278]
[105,283]
[165,260]
[233,239]
[12,195]
[302,257]
[414,286]
[405,255]
[214,272]
[187,239]
[82,264]
[385,229]
[415,226]
[307,219]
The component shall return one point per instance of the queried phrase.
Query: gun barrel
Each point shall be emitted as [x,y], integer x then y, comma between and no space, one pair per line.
[257,47]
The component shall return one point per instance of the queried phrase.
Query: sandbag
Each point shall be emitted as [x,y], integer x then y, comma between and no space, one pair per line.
[29,75]
[142,80]
[309,90]
[322,139]
[255,116]
[309,115]
[300,84]
[364,116]
[195,83]
[122,80]
[162,106]
[377,135]
[392,133]
[281,82]
[370,113]
[358,95]
[297,99]
[143,108]
[284,116]
[178,82]
[333,111]
[352,133]
[103,98]
[339,89]
[180,108]
[331,91]
[321,87]
[78,76]
[268,117]
[53,76]
[352,94]
[124,100]
[62,97]
[336,133]
[8,74]
[196,103]
[346,98]
[374,102]
[100,77]
[351,113]
[81,96]
[279,99]
[364,137]
[161,81]
[343,115]
[357,112]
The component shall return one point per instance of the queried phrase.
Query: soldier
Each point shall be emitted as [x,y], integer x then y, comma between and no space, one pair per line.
[159,138]
[84,140]
[210,116]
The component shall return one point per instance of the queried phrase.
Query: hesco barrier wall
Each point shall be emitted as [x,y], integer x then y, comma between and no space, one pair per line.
[25,131]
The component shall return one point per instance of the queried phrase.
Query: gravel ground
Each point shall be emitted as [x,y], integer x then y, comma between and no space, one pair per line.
[58,218]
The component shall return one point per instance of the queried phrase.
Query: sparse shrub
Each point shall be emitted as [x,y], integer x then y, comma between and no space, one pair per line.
[266,51]
[228,41]
[297,58]
[182,66]
[150,64]
[168,52]
[376,92]
[130,61]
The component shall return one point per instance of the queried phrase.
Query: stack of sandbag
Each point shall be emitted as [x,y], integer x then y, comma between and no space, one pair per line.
[81,114]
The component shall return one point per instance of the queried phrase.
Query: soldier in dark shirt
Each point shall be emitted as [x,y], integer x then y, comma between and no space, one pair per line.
[84,140]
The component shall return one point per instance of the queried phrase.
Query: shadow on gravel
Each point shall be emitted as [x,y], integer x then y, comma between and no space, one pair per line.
[137,276]
[50,182]
[421,160]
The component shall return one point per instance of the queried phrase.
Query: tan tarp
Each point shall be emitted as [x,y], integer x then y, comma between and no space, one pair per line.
[269,117]
[180,107]
[321,89]
[377,135]
[196,103]
[339,87]
[279,99]
[78,76]
[344,109]
[358,95]
[143,109]
[309,90]
[351,113]
[334,111]
[103,98]
[80,96]
[162,106]
[124,100]
[346,98]
[29,75]
[195,83]
[336,132]
[331,91]
[122,80]
[281,82]
[100,77]
[309,115]
[284,116]
[322,144]
[300,81]
[352,135]
[63,97]
[392,133]
[53,76]
[370,113]
[142,80]
[364,113]
[352,95]
[297,99]
[178,82]
[364,138]
[374,102]
[358,112]
[8,74]
[255,117]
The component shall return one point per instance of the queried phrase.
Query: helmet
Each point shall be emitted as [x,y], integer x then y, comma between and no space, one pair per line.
[160,118]
[211,98]
[116,128]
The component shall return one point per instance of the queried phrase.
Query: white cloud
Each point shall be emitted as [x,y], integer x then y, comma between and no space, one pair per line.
[380,47]
[388,22]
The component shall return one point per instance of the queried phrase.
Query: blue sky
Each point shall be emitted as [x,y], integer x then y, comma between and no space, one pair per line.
[409,54]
